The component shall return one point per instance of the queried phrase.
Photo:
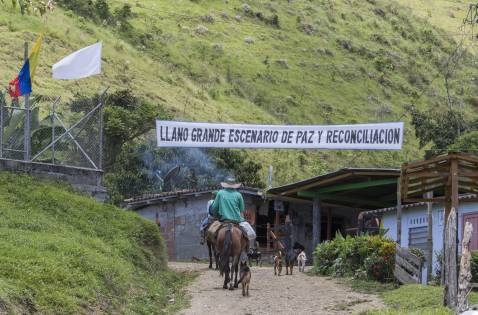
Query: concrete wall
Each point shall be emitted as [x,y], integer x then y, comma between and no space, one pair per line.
[417,217]
[180,222]
[87,180]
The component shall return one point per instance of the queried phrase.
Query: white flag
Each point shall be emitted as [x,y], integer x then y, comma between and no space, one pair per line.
[80,64]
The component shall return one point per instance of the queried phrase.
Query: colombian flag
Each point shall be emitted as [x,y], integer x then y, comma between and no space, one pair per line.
[22,84]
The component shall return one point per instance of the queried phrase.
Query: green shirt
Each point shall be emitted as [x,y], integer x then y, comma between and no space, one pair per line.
[228,205]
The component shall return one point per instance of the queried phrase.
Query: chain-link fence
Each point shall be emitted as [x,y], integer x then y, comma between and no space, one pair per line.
[69,139]
[12,135]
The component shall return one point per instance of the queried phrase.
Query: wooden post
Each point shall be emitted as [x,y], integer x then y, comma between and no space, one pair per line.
[268,237]
[454,184]
[429,253]
[276,226]
[329,223]
[450,276]
[446,214]
[26,129]
[399,213]
[464,278]
[316,224]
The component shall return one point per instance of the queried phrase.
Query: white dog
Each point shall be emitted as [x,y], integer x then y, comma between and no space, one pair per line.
[301,259]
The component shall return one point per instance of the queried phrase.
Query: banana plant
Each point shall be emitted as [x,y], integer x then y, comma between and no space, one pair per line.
[13,127]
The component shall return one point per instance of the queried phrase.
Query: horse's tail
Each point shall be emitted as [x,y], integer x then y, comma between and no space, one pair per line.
[226,250]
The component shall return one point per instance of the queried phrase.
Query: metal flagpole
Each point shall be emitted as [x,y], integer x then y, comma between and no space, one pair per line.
[26,136]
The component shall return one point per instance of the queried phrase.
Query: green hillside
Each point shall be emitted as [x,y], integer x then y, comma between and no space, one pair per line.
[62,253]
[294,62]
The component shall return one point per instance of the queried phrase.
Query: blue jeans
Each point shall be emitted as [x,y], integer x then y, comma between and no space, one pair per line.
[202,229]
[207,220]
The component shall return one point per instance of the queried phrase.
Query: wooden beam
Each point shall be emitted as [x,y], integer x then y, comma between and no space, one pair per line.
[415,200]
[454,185]
[399,214]
[429,253]
[360,185]
[315,184]
[339,198]
[433,160]
[365,173]
[306,201]
[468,189]
[316,224]
[464,157]
[329,224]
[428,173]
[424,182]
[424,189]
[290,199]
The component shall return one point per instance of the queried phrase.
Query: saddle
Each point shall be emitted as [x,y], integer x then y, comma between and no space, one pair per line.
[217,225]
[212,230]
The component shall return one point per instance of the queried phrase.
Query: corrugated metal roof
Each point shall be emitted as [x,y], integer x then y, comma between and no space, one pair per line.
[391,171]
[148,199]
[416,204]
[355,196]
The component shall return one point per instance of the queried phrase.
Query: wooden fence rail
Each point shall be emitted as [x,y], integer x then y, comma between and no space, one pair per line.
[408,267]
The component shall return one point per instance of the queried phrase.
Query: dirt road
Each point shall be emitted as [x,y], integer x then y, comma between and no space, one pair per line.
[269,294]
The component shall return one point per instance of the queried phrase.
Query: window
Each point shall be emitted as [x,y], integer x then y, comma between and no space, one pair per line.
[417,238]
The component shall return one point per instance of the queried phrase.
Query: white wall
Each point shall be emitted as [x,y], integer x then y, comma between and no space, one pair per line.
[417,216]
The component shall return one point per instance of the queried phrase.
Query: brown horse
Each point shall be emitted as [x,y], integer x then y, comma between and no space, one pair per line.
[212,251]
[230,244]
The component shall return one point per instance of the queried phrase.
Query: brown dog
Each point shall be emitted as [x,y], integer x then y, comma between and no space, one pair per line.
[245,278]
[278,263]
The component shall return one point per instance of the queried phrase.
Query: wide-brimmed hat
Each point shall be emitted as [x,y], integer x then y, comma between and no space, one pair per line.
[230,182]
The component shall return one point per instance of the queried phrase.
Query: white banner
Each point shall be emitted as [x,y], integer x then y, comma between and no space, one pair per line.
[383,136]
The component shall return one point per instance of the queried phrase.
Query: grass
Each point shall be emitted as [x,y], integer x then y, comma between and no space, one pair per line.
[62,253]
[327,62]
[367,286]
[408,299]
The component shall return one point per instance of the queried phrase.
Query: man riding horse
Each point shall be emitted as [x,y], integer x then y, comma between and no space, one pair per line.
[231,241]
[229,204]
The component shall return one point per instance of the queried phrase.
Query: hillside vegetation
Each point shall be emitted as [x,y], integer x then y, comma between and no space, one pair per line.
[62,253]
[293,62]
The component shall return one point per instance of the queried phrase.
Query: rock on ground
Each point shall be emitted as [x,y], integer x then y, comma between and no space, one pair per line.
[269,294]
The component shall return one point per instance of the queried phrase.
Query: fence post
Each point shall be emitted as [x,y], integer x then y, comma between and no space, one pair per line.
[399,212]
[53,134]
[465,269]
[1,128]
[100,162]
[450,277]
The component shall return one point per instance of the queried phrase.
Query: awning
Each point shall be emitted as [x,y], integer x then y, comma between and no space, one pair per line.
[361,188]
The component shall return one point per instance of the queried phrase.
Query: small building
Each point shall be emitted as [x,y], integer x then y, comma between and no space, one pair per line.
[180,213]
[321,206]
[307,212]
[429,191]
[414,223]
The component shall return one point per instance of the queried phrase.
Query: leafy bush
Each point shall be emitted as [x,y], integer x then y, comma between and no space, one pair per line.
[370,257]
[100,12]
[474,267]
[438,265]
